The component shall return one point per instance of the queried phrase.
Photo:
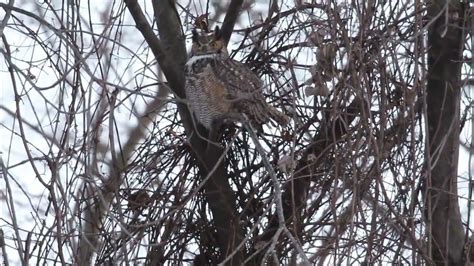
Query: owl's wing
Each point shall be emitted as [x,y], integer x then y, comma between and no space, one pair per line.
[239,78]
[244,91]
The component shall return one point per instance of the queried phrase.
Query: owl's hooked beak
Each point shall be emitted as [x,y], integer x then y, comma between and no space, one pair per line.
[217,33]
[195,37]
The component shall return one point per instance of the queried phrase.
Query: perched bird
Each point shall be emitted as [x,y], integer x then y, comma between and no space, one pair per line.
[219,88]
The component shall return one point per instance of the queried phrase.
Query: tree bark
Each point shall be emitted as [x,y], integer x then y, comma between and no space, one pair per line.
[445,43]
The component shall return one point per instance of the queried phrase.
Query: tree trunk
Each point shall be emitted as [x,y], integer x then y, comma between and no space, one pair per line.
[445,44]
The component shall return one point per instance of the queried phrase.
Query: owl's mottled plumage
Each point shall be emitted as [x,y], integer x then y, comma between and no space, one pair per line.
[218,87]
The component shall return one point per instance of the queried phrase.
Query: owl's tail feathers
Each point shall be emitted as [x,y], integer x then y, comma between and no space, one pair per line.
[278,116]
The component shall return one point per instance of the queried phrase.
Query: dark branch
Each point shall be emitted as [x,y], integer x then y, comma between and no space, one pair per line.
[230,19]
[172,71]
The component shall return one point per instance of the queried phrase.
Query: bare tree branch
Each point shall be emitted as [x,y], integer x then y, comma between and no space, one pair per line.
[231,16]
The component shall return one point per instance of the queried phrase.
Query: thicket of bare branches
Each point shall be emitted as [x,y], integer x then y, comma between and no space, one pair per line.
[103,164]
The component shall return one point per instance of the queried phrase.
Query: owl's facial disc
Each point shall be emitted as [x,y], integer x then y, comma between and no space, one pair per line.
[209,43]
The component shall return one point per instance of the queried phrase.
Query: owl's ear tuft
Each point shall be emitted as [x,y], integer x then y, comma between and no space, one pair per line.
[217,33]
[195,37]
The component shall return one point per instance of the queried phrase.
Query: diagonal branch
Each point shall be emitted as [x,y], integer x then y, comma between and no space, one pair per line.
[230,19]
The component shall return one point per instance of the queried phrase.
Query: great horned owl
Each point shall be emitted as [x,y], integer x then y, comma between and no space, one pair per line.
[218,87]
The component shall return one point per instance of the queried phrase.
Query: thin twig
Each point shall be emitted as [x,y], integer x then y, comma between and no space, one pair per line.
[277,190]
[4,250]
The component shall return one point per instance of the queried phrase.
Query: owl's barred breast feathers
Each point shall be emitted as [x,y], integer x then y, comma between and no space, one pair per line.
[218,87]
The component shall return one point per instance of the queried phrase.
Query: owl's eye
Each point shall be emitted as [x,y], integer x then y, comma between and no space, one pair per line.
[214,45]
